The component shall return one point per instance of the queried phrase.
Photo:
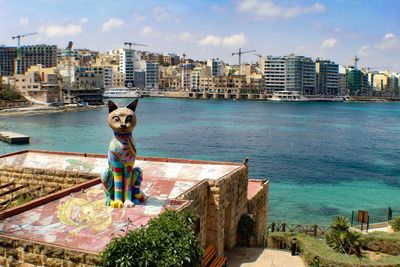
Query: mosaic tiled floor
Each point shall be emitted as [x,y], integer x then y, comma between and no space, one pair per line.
[81,220]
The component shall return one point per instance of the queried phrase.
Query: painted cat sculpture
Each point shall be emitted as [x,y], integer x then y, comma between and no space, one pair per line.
[122,181]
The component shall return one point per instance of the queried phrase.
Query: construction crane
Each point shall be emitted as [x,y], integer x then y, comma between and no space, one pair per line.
[133,44]
[23,35]
[240,52]
[356,59]
[258,55]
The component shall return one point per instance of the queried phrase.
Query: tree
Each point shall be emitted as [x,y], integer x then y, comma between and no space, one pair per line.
[341,239]
[169,240]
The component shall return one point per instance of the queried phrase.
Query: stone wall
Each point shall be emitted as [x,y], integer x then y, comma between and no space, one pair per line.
[42,177]
[199,196]
[16,252]
[227,202]
[258,208]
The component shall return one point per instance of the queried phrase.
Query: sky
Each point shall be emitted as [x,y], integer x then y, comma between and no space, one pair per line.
[203,29]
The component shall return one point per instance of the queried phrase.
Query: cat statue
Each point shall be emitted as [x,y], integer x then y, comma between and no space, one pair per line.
[121,180]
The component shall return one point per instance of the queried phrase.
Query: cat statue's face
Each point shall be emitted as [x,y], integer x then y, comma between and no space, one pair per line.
[122,120]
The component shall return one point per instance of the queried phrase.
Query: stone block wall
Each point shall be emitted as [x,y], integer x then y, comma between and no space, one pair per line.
[227,202]
[258,208]
[42,177]
[199,196]
[16,252]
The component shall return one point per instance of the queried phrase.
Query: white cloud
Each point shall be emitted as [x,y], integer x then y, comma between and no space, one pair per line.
[138,17]
[210,40]
[230,40]
[389,36]
[161,13]
[185,37]
[23,21]
[329,43]
[147,30]
[56,30]
[389,42]
[267,9]
[112,23]
[83,20]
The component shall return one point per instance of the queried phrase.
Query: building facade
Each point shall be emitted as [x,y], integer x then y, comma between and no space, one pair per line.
[40,84]
[217,66]
[327,77]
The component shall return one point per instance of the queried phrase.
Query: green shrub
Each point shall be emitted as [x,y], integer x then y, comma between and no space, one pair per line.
[340,238]
[8,93]
[395,223]
[168,240]
[246,229]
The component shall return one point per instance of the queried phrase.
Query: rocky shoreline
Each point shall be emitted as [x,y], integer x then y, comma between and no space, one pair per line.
[36,110]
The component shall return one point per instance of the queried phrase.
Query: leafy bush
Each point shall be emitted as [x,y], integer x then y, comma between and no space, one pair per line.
[8,93]
[395,223]
[168,240]
[340,238]
[246,229]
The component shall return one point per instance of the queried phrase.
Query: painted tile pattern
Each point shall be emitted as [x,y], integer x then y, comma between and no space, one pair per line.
[81,220]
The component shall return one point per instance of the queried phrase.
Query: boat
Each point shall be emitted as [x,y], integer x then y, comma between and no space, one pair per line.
[122,93]
[288,96]
[296,96]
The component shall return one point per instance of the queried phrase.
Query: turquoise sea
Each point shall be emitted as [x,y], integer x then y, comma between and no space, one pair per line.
[322,159]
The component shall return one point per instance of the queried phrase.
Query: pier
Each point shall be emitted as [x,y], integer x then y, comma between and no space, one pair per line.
[14,138]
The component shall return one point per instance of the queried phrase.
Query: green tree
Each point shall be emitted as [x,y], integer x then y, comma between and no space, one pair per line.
[340,238]
[169,240]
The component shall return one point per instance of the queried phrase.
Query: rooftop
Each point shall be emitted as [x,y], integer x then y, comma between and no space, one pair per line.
[80,220]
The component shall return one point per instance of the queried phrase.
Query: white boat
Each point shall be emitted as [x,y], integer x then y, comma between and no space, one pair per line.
[288,96]
[122,93]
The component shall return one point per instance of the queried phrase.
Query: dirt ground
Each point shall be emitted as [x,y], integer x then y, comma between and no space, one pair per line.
[254,257]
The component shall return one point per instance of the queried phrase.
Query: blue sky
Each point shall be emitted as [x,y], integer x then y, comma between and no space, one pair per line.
[202,29]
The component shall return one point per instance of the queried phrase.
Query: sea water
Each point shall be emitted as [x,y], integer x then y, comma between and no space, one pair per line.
[321,159]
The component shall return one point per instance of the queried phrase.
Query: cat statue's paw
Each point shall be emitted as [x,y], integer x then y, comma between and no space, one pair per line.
[116,204]
[129,204]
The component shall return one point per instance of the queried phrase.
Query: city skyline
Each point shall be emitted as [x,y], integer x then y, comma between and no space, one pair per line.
[336,30]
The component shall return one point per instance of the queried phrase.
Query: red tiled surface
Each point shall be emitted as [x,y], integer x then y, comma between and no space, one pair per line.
[253,187]
[81,220]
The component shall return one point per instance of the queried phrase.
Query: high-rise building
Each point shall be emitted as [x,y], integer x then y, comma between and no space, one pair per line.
[217,66]
[327,77]
[30,55]
[354,81]
[152,74]
[7,56]
[128,61]
[290,73]
[273,69]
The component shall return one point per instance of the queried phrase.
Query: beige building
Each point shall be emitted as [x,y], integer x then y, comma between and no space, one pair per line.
[41,84]
[234,84]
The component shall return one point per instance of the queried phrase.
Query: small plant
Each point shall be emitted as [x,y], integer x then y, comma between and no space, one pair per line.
[246,229]
[395,223]
[169,240]
[341,239]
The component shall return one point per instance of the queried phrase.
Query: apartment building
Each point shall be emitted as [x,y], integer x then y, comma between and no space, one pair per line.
[7,57]
[39,83]
[30,55]
[217,66]
[327,77]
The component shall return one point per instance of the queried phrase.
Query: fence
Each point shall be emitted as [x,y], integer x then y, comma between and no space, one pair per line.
[373,218]
[315,230]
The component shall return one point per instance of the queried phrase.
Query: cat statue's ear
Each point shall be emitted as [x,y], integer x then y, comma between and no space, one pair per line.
[132,106]
[111,106]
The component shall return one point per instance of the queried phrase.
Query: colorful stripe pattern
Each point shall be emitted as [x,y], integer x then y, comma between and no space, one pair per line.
[121,181]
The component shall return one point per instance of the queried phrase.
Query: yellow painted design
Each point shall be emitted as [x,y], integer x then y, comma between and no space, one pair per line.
[83,213]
